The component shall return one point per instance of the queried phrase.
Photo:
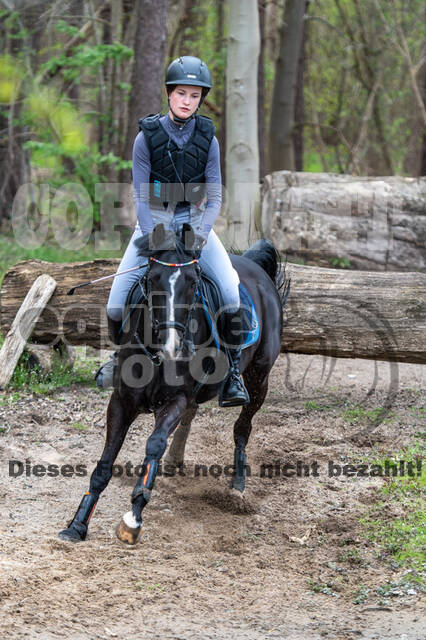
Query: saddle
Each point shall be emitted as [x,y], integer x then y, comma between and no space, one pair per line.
[209,295]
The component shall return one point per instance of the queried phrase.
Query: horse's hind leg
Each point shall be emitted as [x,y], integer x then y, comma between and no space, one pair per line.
[119,419]
[176,451]
[256,381]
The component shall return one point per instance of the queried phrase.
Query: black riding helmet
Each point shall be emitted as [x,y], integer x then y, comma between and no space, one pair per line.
[191,71]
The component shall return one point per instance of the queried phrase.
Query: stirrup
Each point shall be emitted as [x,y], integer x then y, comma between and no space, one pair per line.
[233,392]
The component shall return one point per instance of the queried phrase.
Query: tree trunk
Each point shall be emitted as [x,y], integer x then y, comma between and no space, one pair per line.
[130,12]
[14,160]
[422,171]
[113,78]
[184,21]
[415,161]
[261,90]
[356,314]
[77,11]
[329,312]
[367,70]
[148,65]
[242,153]
[299,102]
[281,152]
[341,220]
[221,43]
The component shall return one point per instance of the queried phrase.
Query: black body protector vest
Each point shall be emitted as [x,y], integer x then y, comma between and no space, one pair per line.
[177,173]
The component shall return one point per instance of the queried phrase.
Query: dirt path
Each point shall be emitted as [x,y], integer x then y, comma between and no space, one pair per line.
[286,562]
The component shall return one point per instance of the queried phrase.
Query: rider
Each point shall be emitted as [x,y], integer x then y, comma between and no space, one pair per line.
[176,179]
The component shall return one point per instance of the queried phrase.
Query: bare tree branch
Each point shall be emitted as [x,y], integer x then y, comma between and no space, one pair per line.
[364,124]
[402,45]
[81,36]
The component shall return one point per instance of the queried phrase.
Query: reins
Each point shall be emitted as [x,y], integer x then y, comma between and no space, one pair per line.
[157,326]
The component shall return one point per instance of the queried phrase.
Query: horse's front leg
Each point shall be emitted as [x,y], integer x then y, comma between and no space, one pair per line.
[120,415]
[166,420]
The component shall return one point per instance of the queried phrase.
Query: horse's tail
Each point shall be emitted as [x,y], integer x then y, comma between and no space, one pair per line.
[266,256]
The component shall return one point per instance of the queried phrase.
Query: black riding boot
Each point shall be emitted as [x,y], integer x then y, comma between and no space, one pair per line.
[233,392]
[105,375]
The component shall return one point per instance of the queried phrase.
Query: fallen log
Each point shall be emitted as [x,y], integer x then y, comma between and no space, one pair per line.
[368,223]
[31,307]
[333,312]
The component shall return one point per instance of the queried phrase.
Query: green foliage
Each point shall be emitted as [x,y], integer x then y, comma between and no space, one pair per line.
[358,414]
[64,27]
[311,405]
[63,142]
[340,263]
[61,134]
[347,51]
[349,48]
[321,587]
[13,25]
[11,76]
[79,426]
[351,556]
[409,583]
[10,398]
[401,536]
[35,381]
[140,586]
[201,38]
[89,58]
[361,595]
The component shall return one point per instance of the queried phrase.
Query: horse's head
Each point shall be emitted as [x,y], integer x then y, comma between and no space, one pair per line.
[171,283]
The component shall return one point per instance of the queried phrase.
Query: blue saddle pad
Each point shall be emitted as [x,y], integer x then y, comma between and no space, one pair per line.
[250,319]
[211,300]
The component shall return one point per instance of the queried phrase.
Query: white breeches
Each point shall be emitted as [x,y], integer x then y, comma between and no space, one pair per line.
[214,261]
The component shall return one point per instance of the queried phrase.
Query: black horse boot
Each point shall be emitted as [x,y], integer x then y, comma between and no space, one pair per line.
[233,392]
[105,375]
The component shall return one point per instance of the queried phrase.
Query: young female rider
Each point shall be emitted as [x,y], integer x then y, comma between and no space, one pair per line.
[174,157]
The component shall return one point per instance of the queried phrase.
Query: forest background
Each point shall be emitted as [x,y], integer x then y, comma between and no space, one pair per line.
[340,86]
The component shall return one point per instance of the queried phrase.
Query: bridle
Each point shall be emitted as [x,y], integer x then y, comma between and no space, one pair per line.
[168,324]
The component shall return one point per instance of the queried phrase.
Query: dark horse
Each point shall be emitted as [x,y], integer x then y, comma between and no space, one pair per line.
[168,364]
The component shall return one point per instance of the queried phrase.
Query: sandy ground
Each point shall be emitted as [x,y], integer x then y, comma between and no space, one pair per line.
[209,566]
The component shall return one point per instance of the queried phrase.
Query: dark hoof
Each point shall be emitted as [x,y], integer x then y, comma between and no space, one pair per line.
[72,534]
[128,535]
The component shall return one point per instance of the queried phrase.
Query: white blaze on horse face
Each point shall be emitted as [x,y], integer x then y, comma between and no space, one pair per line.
[172,342]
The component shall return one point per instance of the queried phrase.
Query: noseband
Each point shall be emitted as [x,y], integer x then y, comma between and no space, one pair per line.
[158,326]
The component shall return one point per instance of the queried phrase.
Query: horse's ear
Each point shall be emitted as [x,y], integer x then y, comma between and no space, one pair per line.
[188,236]
[158,236]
